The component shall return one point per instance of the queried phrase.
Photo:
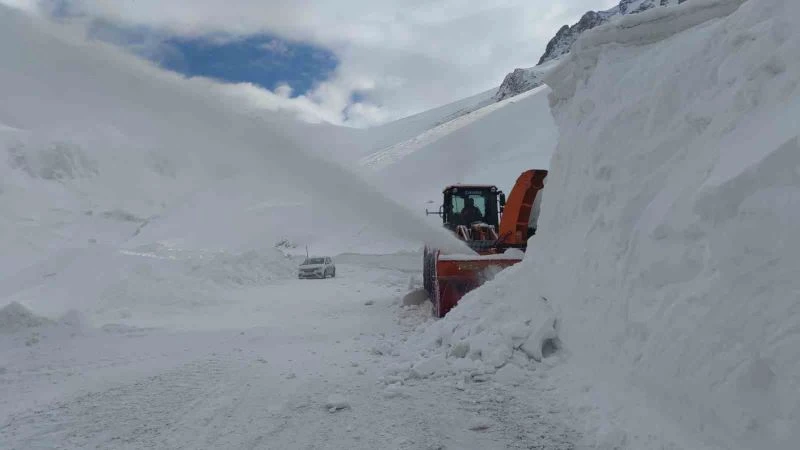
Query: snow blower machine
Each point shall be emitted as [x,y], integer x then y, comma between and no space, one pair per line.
[496,228]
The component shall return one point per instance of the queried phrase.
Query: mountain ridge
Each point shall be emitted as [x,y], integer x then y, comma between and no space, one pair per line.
[523,79]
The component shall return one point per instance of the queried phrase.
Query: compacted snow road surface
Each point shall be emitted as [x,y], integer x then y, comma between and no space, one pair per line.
[283,365]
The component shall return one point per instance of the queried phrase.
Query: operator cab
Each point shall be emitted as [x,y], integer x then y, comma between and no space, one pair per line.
[469,204]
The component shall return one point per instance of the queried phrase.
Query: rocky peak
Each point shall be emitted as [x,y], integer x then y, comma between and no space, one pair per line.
[518,81]
[566,36]
[521,80]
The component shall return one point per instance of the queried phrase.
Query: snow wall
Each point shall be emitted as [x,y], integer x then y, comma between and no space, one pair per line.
[667,255]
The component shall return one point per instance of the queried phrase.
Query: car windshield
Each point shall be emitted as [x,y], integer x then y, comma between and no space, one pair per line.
[314,261]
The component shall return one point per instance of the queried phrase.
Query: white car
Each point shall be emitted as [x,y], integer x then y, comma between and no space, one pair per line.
[321,267]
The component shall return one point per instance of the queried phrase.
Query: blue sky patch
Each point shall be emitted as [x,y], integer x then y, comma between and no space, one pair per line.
[262,59]
[357,97]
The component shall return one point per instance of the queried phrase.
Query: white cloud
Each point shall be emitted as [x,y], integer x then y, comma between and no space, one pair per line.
[283,90]
[27,5]
[307,108]
[403,56]
[276,46]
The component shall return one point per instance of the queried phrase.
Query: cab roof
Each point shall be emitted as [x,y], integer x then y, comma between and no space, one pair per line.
[469,186]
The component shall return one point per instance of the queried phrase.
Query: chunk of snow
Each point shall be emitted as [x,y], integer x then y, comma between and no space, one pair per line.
[460,350]
[537,343]
[511,375]
[336,402]
[15,317]
[427,367]
[415,297]
[480,424]
[393,391]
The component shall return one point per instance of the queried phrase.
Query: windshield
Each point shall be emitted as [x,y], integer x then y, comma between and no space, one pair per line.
[468,200]
[472,205]
[314,261]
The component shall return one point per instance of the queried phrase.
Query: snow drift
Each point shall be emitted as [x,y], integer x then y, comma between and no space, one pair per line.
[101,152]
[15,317]
[667,247]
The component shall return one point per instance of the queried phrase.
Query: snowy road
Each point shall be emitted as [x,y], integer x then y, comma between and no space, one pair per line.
[260,372]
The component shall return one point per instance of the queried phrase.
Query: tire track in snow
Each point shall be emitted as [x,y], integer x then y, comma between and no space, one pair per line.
[138,415]
[424,414]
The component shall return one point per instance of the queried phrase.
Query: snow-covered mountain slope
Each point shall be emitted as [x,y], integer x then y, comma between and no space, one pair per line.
[102,152]
[666,259]
[492,145]
[386,135]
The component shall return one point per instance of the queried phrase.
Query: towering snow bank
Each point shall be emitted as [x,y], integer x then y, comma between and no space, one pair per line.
[668,233]
[667,247]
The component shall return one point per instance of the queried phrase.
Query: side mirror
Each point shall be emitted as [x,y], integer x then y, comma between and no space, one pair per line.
[502,199]
[440,212]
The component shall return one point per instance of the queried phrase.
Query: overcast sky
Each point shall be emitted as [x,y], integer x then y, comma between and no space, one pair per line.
[357,62]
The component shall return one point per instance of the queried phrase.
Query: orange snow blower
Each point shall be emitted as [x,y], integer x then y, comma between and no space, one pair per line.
[495,228]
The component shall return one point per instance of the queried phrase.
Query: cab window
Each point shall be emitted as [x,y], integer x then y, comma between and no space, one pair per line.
[459,200]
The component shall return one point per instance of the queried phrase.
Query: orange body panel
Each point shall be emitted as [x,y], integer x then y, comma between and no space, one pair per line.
[519,204]
[454,278]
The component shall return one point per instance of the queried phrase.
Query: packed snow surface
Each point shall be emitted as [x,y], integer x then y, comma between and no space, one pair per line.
[286,364]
